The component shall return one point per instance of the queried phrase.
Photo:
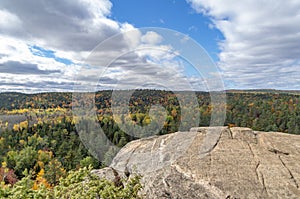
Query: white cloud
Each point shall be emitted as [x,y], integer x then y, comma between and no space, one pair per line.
[71,26]
[148,61]
[18,51]
[261,48]
[152,38]
[47,42]
[67,29]
[140,65]
[134,38]
[9,21]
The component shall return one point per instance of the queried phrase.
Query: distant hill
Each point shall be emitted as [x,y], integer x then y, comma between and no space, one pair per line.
[273,91]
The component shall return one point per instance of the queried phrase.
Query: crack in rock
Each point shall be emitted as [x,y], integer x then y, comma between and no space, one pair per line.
[230,132]
[263,183]
[256,169]
[259,175]
[131,154]
[210,141]
[276,151]
[290,172]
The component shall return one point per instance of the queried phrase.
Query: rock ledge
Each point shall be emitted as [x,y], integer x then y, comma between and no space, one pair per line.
[213,162]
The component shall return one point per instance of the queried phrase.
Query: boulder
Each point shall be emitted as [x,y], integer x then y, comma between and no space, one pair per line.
[213,162]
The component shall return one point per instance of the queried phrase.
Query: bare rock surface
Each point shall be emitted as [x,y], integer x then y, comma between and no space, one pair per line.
[214,162]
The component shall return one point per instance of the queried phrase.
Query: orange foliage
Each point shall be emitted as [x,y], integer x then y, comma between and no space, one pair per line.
[40,180]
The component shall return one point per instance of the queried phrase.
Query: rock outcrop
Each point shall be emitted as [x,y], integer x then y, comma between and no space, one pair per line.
[213,162]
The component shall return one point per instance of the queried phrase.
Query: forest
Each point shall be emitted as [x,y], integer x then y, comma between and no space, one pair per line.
[41,150]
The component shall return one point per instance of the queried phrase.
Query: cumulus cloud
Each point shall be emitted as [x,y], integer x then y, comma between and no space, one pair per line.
[15,67]
[17,55]
[66,25]
[34,82]
[44,44]
[151,38]
[9,22]
[48,40]
[145,63]
[261,46]
[151,60]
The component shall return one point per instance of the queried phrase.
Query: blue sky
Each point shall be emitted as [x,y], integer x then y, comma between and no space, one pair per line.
[173,14]
[41,52]
[46,45]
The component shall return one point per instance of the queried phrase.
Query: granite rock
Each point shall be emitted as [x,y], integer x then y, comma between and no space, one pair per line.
[214,162]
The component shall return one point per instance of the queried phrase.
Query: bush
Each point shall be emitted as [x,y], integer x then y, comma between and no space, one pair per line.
[77,184]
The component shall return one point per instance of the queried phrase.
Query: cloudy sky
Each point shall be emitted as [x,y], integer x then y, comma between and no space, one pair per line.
[52,45]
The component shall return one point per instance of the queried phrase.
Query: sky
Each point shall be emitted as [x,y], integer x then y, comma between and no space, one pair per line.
[67,45]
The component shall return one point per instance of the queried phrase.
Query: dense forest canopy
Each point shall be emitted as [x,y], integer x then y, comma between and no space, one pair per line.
[39,141]
[264,110]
